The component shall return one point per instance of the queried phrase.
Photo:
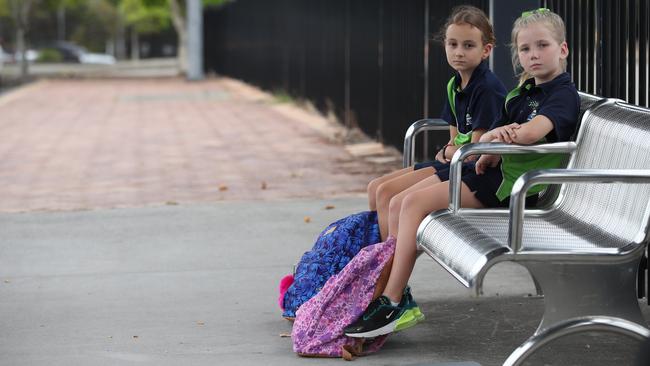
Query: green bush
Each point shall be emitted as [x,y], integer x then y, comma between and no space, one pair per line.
[49,55]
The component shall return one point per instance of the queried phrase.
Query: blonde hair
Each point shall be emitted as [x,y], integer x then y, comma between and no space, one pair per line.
[552,21]
[467,14]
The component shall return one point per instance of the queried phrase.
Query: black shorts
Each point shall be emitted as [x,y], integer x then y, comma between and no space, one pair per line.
[484,186]
[433,163]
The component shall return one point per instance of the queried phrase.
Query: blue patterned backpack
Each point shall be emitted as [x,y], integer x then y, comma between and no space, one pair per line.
[334,248]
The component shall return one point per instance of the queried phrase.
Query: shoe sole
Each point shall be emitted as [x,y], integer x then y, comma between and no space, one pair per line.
[410,318]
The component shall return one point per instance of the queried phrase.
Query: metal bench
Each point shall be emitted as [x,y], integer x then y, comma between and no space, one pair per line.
[584,249]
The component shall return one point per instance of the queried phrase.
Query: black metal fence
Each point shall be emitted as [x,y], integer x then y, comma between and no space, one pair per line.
[372,63]
[608,42]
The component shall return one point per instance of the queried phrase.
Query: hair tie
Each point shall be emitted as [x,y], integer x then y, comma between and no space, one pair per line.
[528,13]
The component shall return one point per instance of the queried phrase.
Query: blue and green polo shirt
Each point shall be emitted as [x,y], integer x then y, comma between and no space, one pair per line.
[475,106]
[557,100]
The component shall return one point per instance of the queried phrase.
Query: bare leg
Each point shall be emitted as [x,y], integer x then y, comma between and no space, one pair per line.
[374,184]
[388,189]
[395,206]
[415,206]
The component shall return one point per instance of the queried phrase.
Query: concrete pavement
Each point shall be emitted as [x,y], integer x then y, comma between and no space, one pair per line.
[195,284]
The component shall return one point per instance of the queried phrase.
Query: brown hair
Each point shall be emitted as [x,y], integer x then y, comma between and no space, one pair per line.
[467,14]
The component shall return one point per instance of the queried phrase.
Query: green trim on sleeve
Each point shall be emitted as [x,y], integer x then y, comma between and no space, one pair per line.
[515,93]
[462,138]
[451,96]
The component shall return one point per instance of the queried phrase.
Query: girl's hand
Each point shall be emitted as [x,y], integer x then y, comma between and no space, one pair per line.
[472,157]
[450,151]
[507,133]
[486,161]
[440,157]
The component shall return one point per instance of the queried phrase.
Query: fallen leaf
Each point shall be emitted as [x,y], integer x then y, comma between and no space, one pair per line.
[171,203]
[329,207]
[200,323]
[7,281]
[263,186]
[285,335]
[307,219]
[223,187]
[135,337]
[296,175]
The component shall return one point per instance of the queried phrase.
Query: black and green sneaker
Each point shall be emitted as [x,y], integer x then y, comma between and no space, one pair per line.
[379,318]
[412,313]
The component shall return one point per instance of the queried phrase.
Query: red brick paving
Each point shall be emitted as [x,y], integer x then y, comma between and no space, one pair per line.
[85,144]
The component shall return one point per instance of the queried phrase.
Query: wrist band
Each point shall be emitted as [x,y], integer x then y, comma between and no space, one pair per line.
[444,152]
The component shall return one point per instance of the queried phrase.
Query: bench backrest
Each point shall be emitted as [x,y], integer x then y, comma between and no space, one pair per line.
[586,101]
[550,194]
[613,135]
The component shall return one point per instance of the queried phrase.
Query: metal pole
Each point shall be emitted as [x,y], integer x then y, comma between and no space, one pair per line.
[426,75]
[194,40]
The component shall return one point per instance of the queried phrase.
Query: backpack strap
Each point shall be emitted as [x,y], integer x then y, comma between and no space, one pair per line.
[451,96]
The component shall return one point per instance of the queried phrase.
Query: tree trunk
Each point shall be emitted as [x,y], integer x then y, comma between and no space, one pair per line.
[22,51]
[135,45]
[178,19]
[120,39]
[182,52]
[20,13]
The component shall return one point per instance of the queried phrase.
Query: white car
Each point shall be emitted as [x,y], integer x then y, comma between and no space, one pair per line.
[96,58]
[30,55]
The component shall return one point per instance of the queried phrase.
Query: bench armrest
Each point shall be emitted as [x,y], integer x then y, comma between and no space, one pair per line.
[558,176]
[494,148]
[415,128]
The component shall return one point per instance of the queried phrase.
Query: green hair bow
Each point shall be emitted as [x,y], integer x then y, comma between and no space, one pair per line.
[528,13]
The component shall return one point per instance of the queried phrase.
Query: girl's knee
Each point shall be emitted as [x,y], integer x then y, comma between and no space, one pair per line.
[395,206]
[372,186]
[412,206]
[384,194]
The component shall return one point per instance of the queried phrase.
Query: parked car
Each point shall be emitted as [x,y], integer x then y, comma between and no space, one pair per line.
[30,55]
[71,52]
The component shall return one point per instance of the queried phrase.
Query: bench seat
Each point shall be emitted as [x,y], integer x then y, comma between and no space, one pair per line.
[475,240]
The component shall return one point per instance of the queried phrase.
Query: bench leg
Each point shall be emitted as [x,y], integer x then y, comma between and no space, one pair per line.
[578,290]
[584,297]
[573,326]
[643,282]
[538,287]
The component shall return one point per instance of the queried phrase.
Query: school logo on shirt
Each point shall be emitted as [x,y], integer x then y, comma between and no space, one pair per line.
[468,119]
[532,104]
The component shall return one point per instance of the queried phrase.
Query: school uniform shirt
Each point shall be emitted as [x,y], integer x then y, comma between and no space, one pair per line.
[476,106]
[557,100]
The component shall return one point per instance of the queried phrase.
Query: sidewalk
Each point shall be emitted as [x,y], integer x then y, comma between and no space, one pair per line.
[197,285]
[85,144]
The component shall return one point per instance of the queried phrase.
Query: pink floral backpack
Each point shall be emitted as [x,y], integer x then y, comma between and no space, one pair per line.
[318,328]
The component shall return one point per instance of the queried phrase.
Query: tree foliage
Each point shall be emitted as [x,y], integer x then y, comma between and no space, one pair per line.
[145,16]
